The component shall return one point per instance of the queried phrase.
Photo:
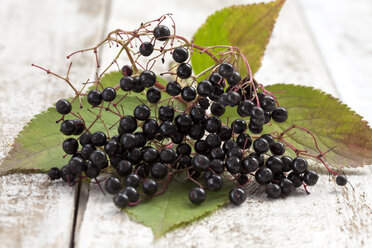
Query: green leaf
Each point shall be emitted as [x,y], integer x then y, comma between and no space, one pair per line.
[247,27]
[38,147]
[173,208]
[332,123]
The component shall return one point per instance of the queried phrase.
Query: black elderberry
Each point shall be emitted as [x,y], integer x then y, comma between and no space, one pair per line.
[226,70]
[235,152]
[149,187]
[245,107]
[150,127]
[128,124]
[341,180]
[299,165]
[204,88]
[311,178]
[260,158]
[63,107]
[268,138]
[76,165]
[91,170]
[225,133]
[279,114]
[233,98]
[214,183]
[94,97]
[275,164]
[183,149]
[249,164]
[256,129]
[200,163]
[108,94]
[229,145]
[197,113]
[217,109]
[167,155]
[135,155]
[217,165]
[173,88]
[132,180]
[201,147]
[296,179]
[188,93]
[153,95]
[121,200]
[146,48]
[127,70]
[260,145]
[167,128]
[180,54]
[141,112]
[112,185]
[159,170]
[131,192]
[111,147]
[79,127]
[98,159]
[85,138]
[273,190]
[141,139]
[287,186]
[150,155]
[217,153]
[67,127]
[161,32]
[268,103]
[54,173]
[197,195]
[183,123]
[237,196]
[98,138]
[244,141]
[264,175]
[204,103]
[177,137]
[126,83]
[234,79]
[147,78]
[184,71]
[287,162]
[238,126]
[70,146]
[213,124]
[233,164]
[277,148]
[166,113]
[124,168]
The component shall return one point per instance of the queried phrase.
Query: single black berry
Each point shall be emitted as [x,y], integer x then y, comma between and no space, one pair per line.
[238,126]
[311,178]
[131,192]
[94,97]
[146,48]
[237,196]
[200,163]
[126,83]
[279,114]
[68,127]
[54,173]
[141,112]
[127,70]
[204,88]
[132,180]
[108,94]
[214,183]
[70,146]
[121,200]
[161,32]
[341,180]
[98,138]
[264,175]
[124,168]
[166,113]
[273,190]
[244,141]
[173,88]
[217,109]
[63,107]
[188,93]
[180,54]
[98,159]
[112,185]
[197,195]
[226,70]
[184,70]
[153,95]
[233,164]
[299,165]
[149,187]
[147,78]
[167,155]
[260,145]
[128,124]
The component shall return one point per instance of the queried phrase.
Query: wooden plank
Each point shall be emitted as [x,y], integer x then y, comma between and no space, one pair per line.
[330,216]
[340,29]
[34,212]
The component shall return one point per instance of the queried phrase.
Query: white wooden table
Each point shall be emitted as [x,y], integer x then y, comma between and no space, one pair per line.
[325,44]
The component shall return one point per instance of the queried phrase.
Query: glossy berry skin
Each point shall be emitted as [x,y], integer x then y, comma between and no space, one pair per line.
[245,107]
[121,200]
[233,165]
[217,165]
[108,94]
[235,152]
[217,109]
[183,123]
[159,170]
[150,155]
[76,165]
[161,32]
[213,124]
[217,153]
[237,196]
[296,179]
[79,127]
[141,112]
[275,164]
[226,70]
[197,114]
[200,163]
[311,178]
[150,127]
[94,97]
[270,140]
[273,190]
[287,162]
[126,83]
[249,164]
[146,48]
[213,140]
[111,147]
[257,116]
[238,126]
[188,93]
[214,183]
[124,168]
[127,70]
[277,148]
[153,95]
[180,54]
[229,145]
[279,114]
[201,147]
[98,138]
[128,124]
[183,149]
[85,138]
[204,103]
[166,113]
[256,129]
[173,88]
[167,128]
[138,85]
[197,195]
[197,131]
[63,107]
[225,133]
[168,155]
[264,175]
[132,193]
[299,165]
[54,173]
[132,180]
[184,71]
[244,141]
[268,103]
[147,78]
[128,141]
[91,170]
[234,79]
[112,185]
[260,145]
[287,186]
[149,187]
[70,146]
[233,98]
[204,88]
[67,127]
[98,159]
[341,180]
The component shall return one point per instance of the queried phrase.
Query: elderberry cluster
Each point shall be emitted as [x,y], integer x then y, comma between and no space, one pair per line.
[159,141]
